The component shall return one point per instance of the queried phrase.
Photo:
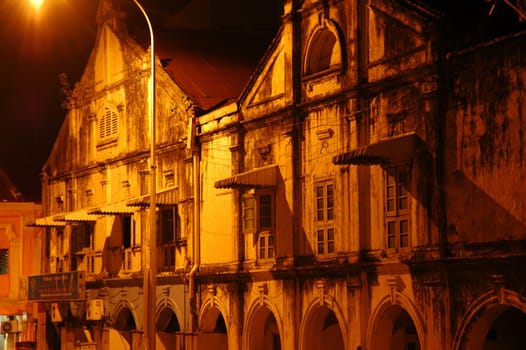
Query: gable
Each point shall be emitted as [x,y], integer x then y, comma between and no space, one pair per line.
[270,84]
[393,32]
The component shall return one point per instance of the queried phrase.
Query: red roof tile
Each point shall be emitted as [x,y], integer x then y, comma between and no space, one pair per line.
[211,67]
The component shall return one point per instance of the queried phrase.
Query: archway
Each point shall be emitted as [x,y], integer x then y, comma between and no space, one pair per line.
[499,328]
[213,330]
[121,336]
[167,326]
[263,333]
[395,330]
[322,331]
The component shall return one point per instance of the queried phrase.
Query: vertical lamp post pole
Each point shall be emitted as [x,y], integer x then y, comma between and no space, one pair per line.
[149,242]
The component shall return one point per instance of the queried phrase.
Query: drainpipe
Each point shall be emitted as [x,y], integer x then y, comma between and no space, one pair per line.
[196,228]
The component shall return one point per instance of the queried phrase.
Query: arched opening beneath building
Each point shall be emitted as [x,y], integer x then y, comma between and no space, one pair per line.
[499,328]
[264,331]
[213,330]
[395,330]
[322,330]
[122,336]
[167,327]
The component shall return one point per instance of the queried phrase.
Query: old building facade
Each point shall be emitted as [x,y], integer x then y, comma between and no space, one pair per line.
[20,247]
[363,191]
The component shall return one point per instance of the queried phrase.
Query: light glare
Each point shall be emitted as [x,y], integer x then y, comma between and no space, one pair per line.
[36,3]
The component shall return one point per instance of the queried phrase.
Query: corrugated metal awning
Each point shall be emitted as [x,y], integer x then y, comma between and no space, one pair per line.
[165,198]
[357,157]
[393,149]
[46,221]
[119,208]
[255,178]
[75,216]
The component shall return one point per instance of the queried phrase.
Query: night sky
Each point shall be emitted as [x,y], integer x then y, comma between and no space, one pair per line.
[36,48]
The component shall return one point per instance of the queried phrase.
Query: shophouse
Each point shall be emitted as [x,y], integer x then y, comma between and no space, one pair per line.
[362,190]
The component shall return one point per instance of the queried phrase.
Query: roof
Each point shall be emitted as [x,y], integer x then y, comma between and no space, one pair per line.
[211,67]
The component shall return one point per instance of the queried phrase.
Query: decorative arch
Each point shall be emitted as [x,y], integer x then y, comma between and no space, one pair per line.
[120,316]
[261,305]
[164,310]
[325,50]
[213,324]
[487,307]
[319,310]
[209,312]
[395,300]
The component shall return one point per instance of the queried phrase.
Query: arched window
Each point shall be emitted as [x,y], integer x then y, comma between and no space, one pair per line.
[324,52]
[108,123]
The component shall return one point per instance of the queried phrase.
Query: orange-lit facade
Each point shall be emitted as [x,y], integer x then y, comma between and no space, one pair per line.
[20,247]
[363,191]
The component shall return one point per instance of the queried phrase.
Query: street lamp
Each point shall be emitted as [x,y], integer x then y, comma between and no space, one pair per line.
[37,3]
[149,242]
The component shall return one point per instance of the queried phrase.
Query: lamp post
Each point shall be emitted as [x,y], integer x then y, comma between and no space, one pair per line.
[149,241]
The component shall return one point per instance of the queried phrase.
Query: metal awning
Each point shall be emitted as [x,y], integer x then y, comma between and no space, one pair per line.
[393,149]
[164,198]
[119,208]
[357,157]
[255,178]
[46,221]
[75,216]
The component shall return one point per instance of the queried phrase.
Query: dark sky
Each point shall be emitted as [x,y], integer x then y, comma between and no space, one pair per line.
[36,48]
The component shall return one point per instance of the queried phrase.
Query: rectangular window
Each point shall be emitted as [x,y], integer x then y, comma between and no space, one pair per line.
[397,207]
[258,217]
[4,261]
[325,218]
[168,225]
[249,214]
[83,246]
[266,246]
[168,235]
[127,231]
[60,241]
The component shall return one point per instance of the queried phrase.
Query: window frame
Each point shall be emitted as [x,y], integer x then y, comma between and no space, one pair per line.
[108,124]
[4,261]
[325,224]
[262,217]
[397,205]
[168,216]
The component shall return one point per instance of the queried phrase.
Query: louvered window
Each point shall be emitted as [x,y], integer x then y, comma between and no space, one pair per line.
[108,124]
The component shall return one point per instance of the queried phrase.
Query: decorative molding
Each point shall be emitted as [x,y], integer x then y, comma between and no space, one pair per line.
[324,134]
[212,290]
[320,286]
[395,284]
[499,282]
[263,290]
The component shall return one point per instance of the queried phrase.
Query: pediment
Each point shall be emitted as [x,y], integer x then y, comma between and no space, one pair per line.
[394,31]
[270,84]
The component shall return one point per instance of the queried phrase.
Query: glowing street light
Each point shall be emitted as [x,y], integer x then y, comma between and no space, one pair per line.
[36,3]
[148,240]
